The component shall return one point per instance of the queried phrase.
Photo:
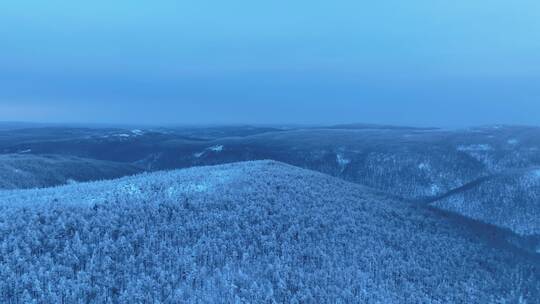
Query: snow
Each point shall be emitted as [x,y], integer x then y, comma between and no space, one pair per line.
[187,188]
[477,147]
[216,148]
[512,141]
[424,166]
[133,133]
[341,160]
[130,189]
[122,135]
[246,225]
[435,189]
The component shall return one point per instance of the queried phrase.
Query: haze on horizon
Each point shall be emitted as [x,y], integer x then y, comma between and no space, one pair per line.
[420,63]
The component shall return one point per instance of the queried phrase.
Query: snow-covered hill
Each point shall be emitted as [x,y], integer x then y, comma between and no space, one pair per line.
[412,164]
[254,232]
[406,162]
[21,171]
[510,200]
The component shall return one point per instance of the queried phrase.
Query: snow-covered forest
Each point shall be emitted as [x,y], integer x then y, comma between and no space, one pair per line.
[255,232]
[21,171]
[272,152]
[510,200]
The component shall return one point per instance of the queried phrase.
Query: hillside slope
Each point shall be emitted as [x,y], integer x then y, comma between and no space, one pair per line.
[21,171]
[510,200]
[255,232]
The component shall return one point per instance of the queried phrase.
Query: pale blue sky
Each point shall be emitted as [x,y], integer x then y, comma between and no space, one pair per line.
[443,63]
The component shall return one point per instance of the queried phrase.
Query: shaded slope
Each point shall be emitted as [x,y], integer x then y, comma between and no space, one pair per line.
[510,200]
[18,171]
[248,232]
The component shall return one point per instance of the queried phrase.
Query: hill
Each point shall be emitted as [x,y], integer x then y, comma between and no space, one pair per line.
[510,200]
[249,232]
[410,163]
[20,171]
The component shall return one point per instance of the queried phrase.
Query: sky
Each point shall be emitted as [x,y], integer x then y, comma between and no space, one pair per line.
[415,62]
